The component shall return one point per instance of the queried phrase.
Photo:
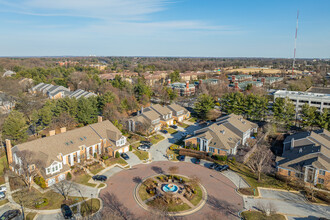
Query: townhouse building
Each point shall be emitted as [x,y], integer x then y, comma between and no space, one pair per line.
[306,155]
[224,136]
[59,152]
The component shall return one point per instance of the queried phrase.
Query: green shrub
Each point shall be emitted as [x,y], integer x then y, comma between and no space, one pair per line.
[233,159]
[130,148]
[95,155]
[68,176]
[40,181]
[117,154]
[105,157]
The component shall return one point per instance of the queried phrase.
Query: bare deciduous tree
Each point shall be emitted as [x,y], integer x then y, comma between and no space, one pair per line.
[64,188]
[28,166]
[260,160]
[113,209]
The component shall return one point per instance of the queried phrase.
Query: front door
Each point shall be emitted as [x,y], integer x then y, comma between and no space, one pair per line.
[51,181]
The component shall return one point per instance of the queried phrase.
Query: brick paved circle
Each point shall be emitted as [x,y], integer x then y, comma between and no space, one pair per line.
[222,202]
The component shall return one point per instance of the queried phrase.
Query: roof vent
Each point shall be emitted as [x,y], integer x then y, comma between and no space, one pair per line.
[222,131]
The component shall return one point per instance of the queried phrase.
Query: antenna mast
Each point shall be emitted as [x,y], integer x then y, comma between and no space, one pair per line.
[295,45]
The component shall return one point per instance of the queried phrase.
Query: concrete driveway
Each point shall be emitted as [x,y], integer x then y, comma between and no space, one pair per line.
[56,216]
[86,191]
[292,204]
[111,171]
[133,159]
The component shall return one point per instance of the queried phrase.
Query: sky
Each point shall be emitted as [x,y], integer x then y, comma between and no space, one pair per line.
[189,28]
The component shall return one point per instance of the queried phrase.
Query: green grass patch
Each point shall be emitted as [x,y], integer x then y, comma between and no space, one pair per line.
[171,130]
[143,192]
[30,216]
[247,191]
[89,207]
[198,196]
[101,185]
[83,179]
[142,155]
[173,153]
[3,165]
[156,138]
[4,201]
[255,215]
[183,125]
[96,168]
[193,119]
[111,161]
[178,208]
[29,199]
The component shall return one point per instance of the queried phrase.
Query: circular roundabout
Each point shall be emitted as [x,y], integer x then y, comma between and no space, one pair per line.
[192,192]
[177,195]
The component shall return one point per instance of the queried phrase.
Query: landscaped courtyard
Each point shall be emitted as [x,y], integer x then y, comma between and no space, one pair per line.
[173,193]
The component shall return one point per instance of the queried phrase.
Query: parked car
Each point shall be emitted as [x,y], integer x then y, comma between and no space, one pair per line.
[174,126]
[10,214]
[164,131]
[181,158]
[3,189]
[66,211]
[213,166]
[124,156]
[146,143]
[2,195]
[222,168]
[99,178]
[143,147]
[196,161]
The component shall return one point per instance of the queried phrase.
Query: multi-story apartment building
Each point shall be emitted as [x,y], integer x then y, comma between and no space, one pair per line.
[183,89]
[318,100]
[57,153]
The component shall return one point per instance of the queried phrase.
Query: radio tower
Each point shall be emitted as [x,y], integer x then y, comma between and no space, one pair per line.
[295,45]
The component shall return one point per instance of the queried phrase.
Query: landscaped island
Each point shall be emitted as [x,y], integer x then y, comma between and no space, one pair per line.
[173,194]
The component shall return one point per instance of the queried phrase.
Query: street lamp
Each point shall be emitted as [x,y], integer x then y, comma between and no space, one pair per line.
[91,203]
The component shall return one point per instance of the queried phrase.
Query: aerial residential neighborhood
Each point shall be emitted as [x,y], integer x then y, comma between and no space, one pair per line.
[164,110]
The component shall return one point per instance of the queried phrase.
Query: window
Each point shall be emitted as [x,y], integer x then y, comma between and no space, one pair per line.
[289,173]
[303,101]
[317,103]
[322,172]
[320,180]
[211,149]
[60,165]
[56,168]
[53,169]
[48,170]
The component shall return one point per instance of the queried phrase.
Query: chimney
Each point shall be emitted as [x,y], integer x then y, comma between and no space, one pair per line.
[292,144]
[169,81]
[63,130]
[51,132]
[233,78]
[236,85]
[9,153]
[99,119]
[142,110]
[187,84]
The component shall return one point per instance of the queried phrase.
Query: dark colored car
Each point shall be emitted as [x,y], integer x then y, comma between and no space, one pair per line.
[164,131]
[222,168]
[213,166]
[174,126]
[66,211]
[143,147]
[196,161]
[10,214]
[146,143]
[181,158]
[125,156]
[100,178]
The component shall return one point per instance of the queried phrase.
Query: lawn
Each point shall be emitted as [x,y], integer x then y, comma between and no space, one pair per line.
[247,191]
[4,201]
[183,125]
[101,185]
[83,179]
[111,161]
[29,198]
[171,207]
[30,215]
[3,164]
[255,215]
[89,207]
[143,192]
[193,119]
[156,138]
[142,155]
[96,168]
[174,153]
[198,197]
[171,130]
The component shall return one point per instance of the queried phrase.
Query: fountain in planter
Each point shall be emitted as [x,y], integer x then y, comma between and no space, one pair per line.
[170,188]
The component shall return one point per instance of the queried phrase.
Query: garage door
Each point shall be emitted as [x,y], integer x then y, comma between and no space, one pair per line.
[120,151]
[126,149]
[51,181]
[61,177]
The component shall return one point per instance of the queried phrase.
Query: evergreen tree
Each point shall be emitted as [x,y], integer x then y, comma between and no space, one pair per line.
[204,104]
[284,111]
[308,115]
[323,119]
[15,127]
[87,110]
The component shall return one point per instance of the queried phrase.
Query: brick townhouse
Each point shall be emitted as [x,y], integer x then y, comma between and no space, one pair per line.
[59,152]
[306,155]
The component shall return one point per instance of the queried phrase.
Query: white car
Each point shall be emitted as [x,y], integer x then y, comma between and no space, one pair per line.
[3,189]
[2,195]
